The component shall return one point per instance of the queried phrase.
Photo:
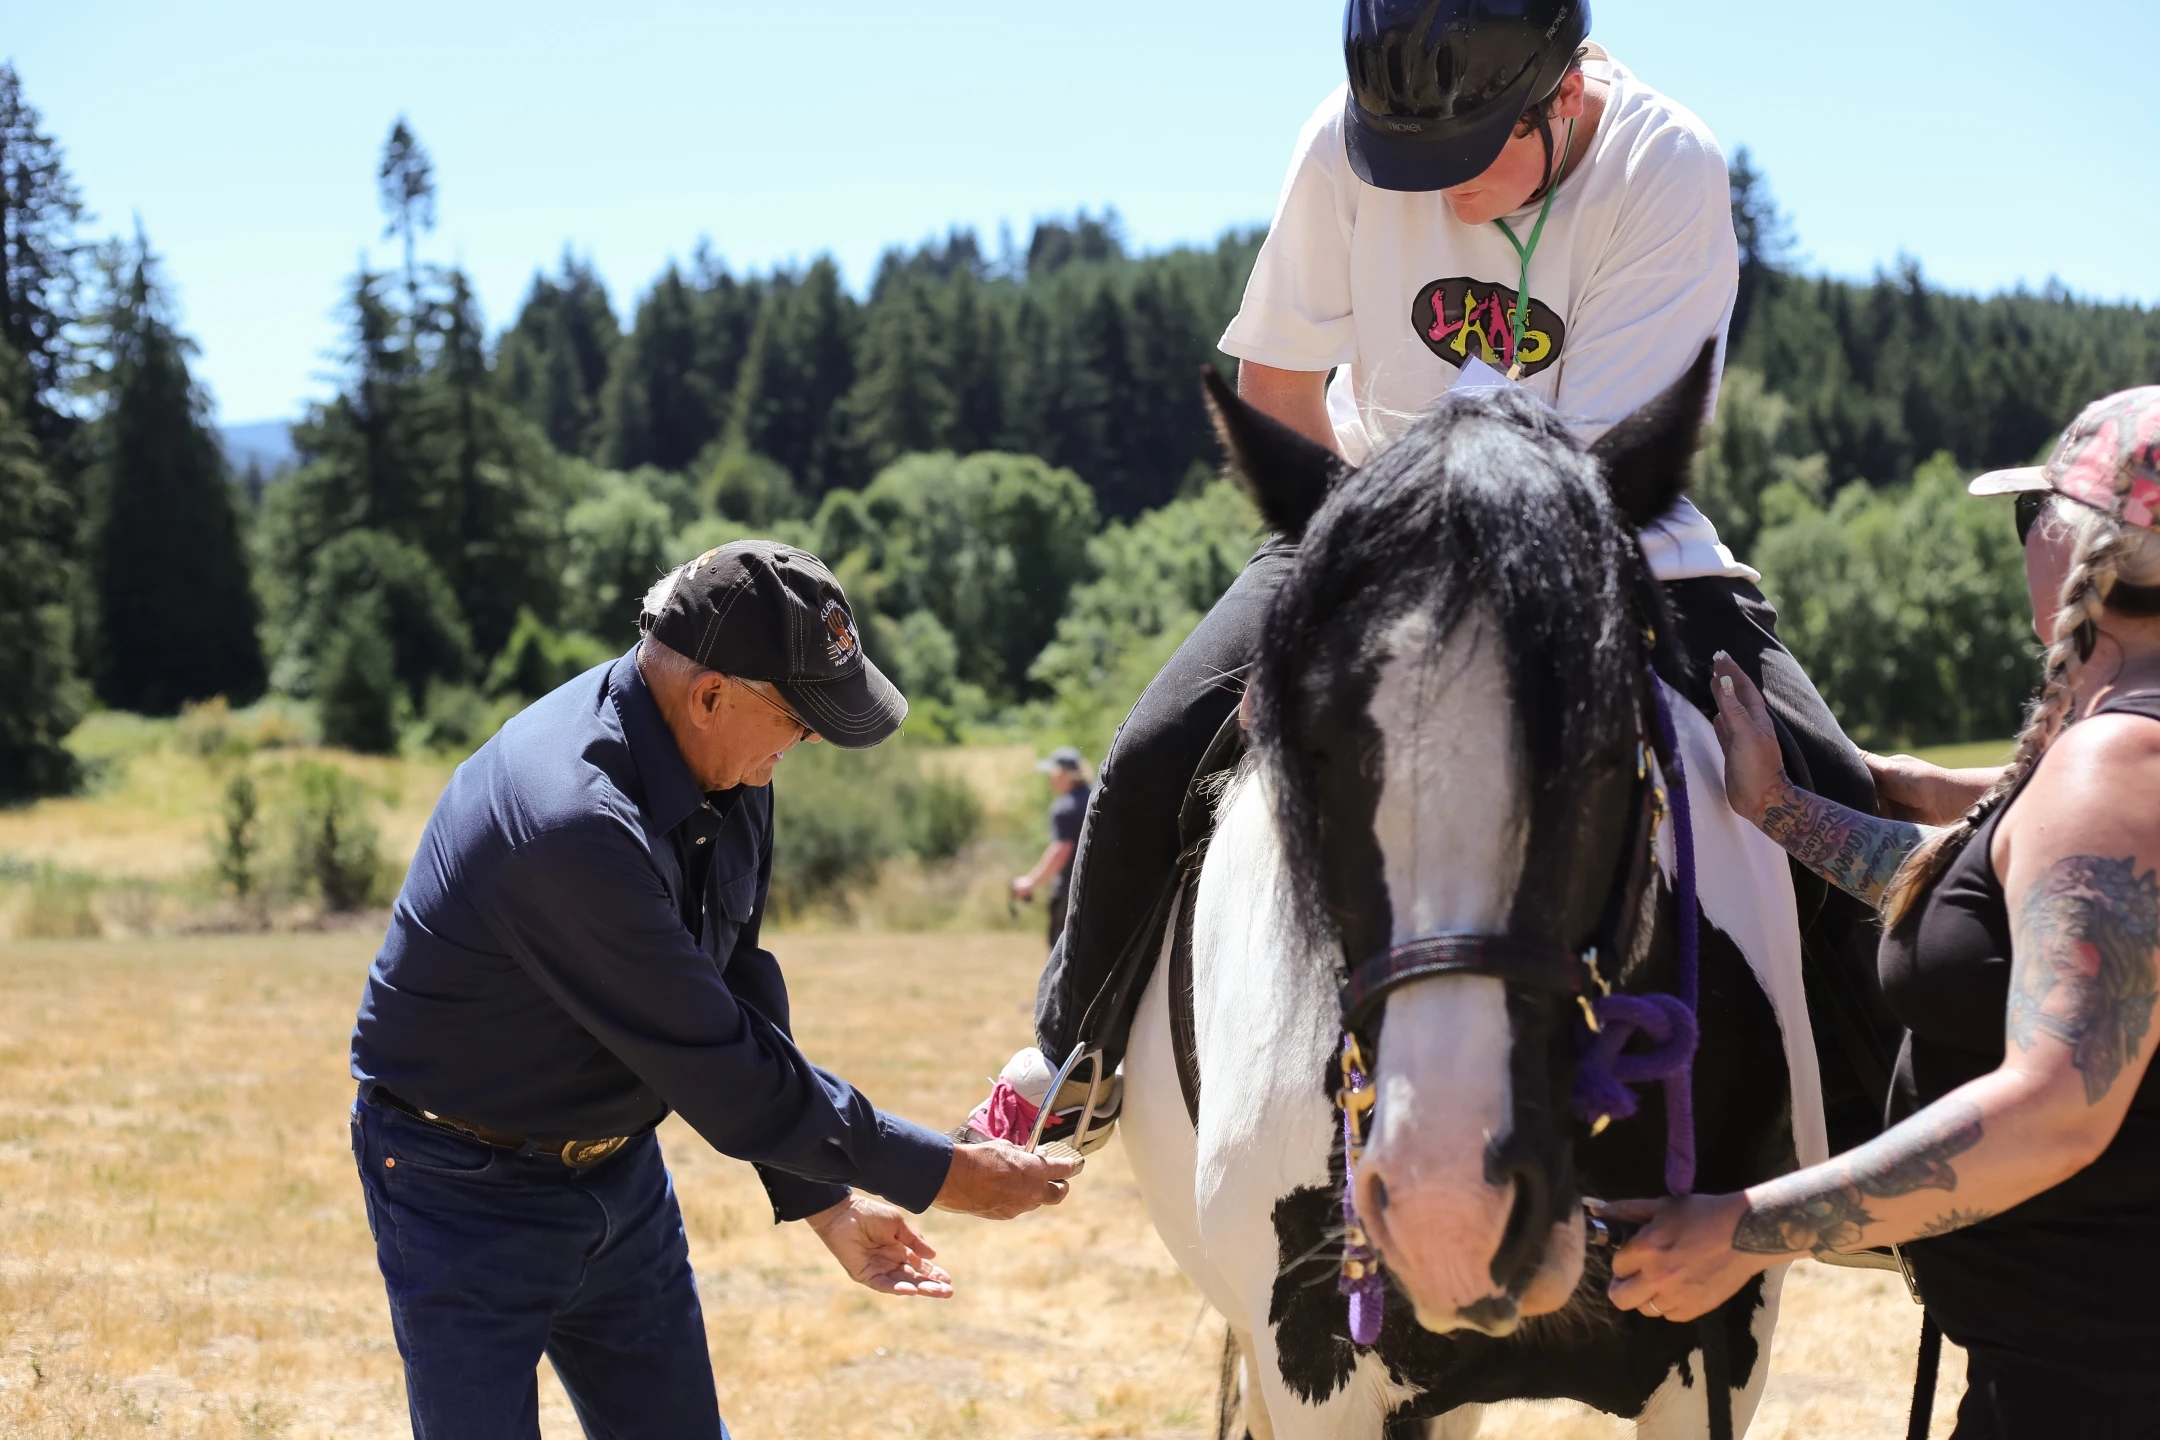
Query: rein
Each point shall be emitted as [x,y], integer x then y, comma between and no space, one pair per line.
[1608,1021]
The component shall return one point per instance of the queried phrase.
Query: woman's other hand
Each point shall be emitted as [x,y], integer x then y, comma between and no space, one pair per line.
[1909,788]
[1681,1265]
[1754,766]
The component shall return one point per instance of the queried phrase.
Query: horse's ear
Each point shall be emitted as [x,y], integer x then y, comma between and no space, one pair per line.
[1646,457]
[1286,474]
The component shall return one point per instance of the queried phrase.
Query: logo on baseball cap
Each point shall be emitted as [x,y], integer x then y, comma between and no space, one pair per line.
[2109,459]
[764,611]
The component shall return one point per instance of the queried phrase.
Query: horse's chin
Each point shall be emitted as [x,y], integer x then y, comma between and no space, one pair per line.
[1548,1290]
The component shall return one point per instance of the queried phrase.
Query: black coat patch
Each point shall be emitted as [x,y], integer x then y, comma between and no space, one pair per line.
[1461,317]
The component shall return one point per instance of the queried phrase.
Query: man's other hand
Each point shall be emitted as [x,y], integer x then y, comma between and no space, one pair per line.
[998,1180]
[880,1247]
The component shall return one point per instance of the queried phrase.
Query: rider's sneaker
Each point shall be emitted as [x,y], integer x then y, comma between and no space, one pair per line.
[1016,1098]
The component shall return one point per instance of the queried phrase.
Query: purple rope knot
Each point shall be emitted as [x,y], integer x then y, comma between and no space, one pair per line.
[1607,1068]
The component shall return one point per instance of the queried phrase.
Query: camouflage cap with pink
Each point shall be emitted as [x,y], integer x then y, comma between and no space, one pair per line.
[2109,459]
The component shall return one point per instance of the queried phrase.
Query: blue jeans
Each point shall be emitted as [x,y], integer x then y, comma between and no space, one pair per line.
[493,1259]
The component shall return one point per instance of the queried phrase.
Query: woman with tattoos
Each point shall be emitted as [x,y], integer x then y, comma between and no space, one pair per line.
[2022,952]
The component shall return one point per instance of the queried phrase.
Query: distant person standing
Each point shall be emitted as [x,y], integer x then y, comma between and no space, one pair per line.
[1069,789]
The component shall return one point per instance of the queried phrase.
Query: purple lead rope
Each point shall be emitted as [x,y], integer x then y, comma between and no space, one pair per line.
[1604,1073]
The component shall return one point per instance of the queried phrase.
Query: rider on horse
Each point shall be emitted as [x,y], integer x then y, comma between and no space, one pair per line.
[1489,192]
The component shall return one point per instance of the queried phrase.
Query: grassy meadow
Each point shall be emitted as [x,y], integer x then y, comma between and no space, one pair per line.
[182,1248]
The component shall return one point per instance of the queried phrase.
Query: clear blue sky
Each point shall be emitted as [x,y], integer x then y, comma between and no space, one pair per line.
[1999,143]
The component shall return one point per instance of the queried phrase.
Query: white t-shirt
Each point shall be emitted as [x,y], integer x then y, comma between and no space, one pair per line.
[1637,266]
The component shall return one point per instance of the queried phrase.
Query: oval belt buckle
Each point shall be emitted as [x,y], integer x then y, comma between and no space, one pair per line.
[580,1154]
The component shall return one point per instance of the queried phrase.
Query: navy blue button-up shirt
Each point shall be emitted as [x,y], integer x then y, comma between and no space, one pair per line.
[549,974]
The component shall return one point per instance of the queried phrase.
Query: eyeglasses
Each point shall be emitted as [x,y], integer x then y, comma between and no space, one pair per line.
[2029,505]
[802,732]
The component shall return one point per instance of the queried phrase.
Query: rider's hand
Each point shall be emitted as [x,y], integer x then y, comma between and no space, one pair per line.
[1754,767]
[998,1180]
[1681,1265]
[879,1246]
[1024,886]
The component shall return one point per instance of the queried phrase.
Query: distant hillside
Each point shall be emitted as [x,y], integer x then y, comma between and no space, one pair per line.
[265,444]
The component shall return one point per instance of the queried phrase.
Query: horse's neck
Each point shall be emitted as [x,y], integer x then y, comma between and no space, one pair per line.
[1264,1000]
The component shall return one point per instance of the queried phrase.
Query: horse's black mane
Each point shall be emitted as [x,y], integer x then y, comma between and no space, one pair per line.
[1484,501]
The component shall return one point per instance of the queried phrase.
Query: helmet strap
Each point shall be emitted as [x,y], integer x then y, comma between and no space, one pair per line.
[1544,135]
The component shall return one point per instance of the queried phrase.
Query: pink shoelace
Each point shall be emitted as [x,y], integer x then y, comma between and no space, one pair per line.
[1006,1115]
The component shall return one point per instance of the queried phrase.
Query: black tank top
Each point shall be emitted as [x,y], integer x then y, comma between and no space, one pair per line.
[2069,1277]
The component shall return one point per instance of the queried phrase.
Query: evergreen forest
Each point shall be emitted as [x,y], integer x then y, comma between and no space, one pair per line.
[1002,455]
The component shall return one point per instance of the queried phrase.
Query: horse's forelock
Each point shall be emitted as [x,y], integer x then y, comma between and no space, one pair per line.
[1486,500]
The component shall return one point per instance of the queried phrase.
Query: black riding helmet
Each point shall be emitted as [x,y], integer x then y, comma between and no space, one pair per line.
[1437,86]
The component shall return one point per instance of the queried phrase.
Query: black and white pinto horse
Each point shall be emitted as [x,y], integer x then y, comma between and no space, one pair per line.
[1446,711]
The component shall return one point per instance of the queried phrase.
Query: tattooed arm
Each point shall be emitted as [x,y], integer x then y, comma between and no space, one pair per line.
[1855,852]
[2080,857]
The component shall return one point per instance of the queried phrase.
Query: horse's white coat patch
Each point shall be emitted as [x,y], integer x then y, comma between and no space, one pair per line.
[1452,828]
[1450,821]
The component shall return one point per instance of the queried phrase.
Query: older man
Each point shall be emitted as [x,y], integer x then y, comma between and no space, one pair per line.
[574,954]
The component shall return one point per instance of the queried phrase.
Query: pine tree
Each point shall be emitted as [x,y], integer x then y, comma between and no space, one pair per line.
[176,612]
[39,256]
[975,355]
[900,403]
[406,183]
[554,361]
[38,691]
[800,363]
[658,409]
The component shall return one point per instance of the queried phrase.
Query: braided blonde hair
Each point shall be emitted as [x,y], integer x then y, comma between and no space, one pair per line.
[2104,553]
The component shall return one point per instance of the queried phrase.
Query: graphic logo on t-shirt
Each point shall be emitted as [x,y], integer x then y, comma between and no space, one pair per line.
[841,644]
[1451,316]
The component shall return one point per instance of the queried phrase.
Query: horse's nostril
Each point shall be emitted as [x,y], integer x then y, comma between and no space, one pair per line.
[1523,1242]
[1379,1194]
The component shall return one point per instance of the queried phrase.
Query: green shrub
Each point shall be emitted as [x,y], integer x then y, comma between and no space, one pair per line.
[944,817]
[458,719]
[1905,605]
[238,838]
[838,815]
[207,728]
[335,839]
[356,686]
[538,659]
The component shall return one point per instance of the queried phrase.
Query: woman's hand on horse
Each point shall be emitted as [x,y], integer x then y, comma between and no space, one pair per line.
[879,1246]
[997,1180]
[1681,1265]
[1754,766]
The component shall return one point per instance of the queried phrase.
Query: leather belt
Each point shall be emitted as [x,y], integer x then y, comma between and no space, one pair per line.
[577,1154]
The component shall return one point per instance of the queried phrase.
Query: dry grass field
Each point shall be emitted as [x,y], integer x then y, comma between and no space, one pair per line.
[182,1249]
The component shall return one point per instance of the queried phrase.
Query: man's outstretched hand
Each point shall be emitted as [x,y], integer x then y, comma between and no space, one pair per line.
[879,1246]
[998,1180]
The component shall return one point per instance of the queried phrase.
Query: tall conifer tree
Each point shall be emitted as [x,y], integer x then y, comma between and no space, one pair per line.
[659,408]
[38,700]
[39,256]
[801,363]
[175,611]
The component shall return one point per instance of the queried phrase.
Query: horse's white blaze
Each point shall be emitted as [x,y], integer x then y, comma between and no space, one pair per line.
[1452,826]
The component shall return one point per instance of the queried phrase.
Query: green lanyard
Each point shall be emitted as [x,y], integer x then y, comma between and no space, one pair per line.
[1522,291]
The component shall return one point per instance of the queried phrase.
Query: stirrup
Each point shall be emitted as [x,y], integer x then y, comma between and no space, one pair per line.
[1075,1147]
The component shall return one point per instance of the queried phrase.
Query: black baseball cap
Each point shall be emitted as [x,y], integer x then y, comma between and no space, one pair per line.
[760,610]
